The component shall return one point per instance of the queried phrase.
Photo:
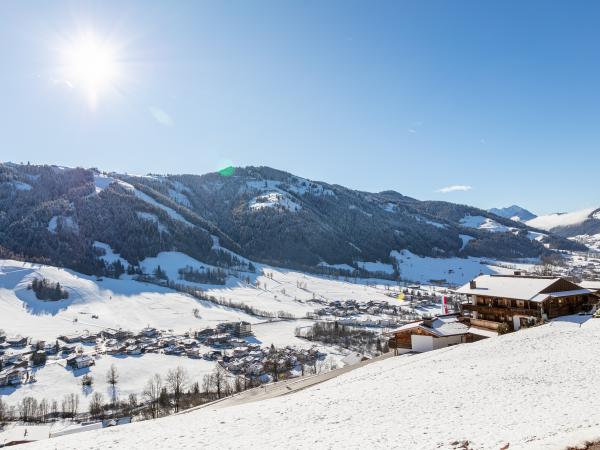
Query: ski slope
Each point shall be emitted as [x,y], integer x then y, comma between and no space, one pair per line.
[537,392]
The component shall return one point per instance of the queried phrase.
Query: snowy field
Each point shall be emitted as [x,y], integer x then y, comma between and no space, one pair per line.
[455,271]
[537,392]
[54,381]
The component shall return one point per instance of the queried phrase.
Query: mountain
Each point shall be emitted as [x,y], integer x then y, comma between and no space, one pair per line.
[582,226]
[72,216]
[513,212]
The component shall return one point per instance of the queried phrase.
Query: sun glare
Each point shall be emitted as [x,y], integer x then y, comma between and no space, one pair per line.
[90,64]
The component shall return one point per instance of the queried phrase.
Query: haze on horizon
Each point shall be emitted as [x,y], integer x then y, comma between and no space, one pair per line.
[483,104]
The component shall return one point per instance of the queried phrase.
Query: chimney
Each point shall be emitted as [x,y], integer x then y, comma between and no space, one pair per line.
[473,284]
[428,321]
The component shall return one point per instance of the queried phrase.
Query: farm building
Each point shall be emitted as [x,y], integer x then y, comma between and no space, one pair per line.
[433,333]
[520,300]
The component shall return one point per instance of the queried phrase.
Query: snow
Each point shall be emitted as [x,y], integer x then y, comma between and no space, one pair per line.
[274,200]
[376,267]
[297,185]
[431,222]
[520,288]
[68,224]
[180,198]
[591,240]
[109,255]
[152,218]
[171,262]
[20,186]
[537,369]
[54,381]
[536,236]
[338,266]
[560,219]
[390,207]
[455,271]
[483,223]
[170,211]
[102,182]
[122,303]
[465,238]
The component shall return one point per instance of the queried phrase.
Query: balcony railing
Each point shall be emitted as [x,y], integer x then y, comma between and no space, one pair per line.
[501,310]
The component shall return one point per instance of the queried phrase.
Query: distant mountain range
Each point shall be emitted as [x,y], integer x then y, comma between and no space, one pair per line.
[66,216]
[514,212]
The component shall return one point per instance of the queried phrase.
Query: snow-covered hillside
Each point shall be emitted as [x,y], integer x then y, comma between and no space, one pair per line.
[536,392]
[551,221]
[453,271]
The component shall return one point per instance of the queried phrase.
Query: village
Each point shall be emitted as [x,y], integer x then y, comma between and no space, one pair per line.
[229,344]
[416,319]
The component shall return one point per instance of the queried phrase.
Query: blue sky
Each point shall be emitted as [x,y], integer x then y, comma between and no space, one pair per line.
[501,99]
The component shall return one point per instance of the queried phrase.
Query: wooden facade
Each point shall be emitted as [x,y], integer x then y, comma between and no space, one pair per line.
[561,298]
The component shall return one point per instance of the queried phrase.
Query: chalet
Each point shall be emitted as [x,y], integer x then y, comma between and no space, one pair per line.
[119,334]
[70,338]
[80,362]
[203,334]
[520,300]
[433,333]
[17,341]
[13,376]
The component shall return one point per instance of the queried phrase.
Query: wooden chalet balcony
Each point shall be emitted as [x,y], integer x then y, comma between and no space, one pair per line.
[501,310]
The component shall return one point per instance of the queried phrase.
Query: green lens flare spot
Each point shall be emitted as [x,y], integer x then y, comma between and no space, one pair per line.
[227,171]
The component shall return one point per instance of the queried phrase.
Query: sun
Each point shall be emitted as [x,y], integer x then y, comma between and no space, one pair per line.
[90,64]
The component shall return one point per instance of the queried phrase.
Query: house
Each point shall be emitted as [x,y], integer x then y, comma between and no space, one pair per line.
[434,333]
[119,334]
[70,338]
[203,334]
[149,331]
[13,376]
[238,329]
[80,362]
[519,300]
[17,341]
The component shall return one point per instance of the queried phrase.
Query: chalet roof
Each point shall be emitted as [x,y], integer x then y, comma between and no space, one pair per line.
[515,287]
[440,326]
[592,285]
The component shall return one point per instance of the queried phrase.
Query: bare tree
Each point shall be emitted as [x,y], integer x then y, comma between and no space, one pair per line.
[70,405]
[27,409]
[43,409]
[219,380]
[112,378]
[96,405]
[152,395]
[177,380]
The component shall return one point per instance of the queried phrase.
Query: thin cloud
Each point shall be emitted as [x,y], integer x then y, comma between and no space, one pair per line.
[455,188]
[161,116]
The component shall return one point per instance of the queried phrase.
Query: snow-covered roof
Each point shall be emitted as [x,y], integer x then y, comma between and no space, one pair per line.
[439,326]
[514,287]
[592,285]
